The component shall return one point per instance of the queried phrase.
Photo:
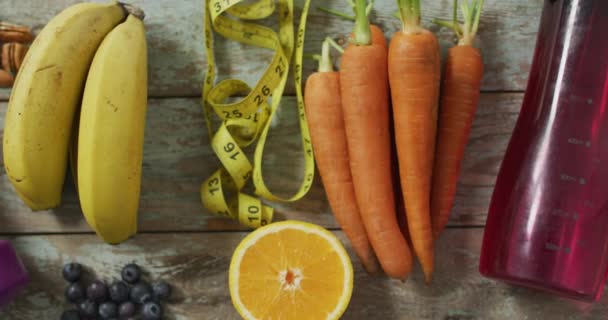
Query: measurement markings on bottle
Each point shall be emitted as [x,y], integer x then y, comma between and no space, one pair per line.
[570,178]
[557,248]
[579,142]
[565,214]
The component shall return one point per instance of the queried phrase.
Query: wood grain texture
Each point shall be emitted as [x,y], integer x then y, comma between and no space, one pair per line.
[177,159]
[196,265]
[176,49]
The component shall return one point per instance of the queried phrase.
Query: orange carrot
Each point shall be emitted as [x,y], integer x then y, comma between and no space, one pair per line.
[460,93]
[364,91]
[414,74]
[399,203]
[377,35]
[325,122]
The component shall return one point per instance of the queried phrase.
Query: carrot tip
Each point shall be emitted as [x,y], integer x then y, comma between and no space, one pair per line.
[371,268]
[428,278]
[436,235]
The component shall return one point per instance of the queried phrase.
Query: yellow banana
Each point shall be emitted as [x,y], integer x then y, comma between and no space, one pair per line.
[111,132]
[46,95]
[73,150]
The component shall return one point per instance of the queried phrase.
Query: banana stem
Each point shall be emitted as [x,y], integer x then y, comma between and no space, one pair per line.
[133,10]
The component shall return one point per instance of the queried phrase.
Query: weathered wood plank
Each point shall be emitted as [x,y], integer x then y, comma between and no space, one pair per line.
[197,264]
[174,34]
[177,159]
[176,52]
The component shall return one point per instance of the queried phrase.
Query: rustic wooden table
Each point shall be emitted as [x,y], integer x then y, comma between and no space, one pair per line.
[179,241]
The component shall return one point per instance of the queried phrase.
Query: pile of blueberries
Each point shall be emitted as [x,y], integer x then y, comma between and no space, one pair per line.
[120,300]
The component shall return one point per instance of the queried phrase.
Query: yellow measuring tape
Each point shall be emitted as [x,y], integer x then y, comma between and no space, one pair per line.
[247,120]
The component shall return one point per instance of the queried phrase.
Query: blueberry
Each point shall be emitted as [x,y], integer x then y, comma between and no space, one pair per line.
[141,293]
[108,310]
[74,292]
[126,309]
[162,290]
[152,311]
[119,291]
[131,273]
[72,272]
[97,291]
[87,309]
[70,315]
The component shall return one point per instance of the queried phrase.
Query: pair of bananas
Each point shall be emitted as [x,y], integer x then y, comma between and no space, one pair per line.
[81,97]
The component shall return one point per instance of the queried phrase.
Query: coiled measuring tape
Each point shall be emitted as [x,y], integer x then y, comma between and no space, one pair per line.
[247,120]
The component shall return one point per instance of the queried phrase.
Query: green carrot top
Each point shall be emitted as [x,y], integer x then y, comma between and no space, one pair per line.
[409,10]
[325,64]
[324,59]
[346,16]
[465,32]
[362,32]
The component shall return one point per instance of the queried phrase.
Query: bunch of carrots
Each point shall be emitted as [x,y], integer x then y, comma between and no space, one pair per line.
[389,133]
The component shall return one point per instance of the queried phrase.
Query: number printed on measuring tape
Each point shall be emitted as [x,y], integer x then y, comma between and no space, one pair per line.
[213,183]
[232,115]
[221,5]
[229,147]
[248,119]
[253,211]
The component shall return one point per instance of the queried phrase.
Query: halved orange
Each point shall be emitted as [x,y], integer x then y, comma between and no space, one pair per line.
[290,270]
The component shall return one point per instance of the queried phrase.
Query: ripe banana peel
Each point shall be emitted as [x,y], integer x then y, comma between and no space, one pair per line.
[81,98]
[111,132]
[45,97]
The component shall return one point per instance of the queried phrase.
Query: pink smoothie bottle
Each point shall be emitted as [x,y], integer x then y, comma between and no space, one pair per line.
[547,227]
[13,275]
